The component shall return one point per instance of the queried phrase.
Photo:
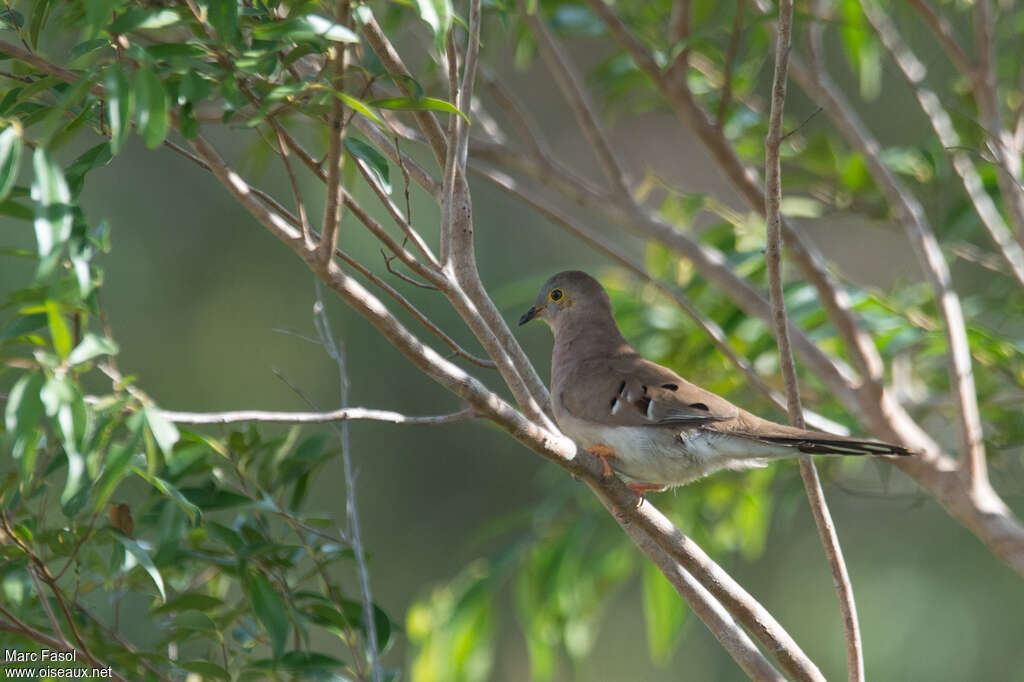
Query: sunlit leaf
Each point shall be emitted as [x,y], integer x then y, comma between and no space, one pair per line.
[142,556]
[119,105]
[90,347]
[376,162]
[413,104]
[10,159]
[144,18]
[164,431]
[438,16]
[151,102]
[52,203]
[304,28]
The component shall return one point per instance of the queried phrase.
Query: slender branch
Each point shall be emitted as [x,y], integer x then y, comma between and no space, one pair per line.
[417,172]
[41,595]
[985,85]
[392,61]
[674,89]
[915,72]
[300,206]
[945,35]
[335,144]
[773,259]
[820,87]
[337,353]
[550,444]
[718,620]
[560,65]
[343,414]
[730,58]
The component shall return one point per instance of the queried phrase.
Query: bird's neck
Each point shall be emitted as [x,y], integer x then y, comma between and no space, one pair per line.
[575,344]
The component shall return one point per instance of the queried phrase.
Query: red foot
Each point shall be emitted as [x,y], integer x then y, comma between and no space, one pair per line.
[604,452]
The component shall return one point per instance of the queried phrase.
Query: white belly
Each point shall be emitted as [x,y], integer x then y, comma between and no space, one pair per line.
[671,456]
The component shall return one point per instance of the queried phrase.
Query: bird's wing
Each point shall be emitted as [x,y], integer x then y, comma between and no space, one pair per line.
[631,391]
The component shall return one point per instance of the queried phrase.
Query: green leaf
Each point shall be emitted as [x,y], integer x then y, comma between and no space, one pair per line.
[52,203]
[438,16]
[165,433]
[269,609]
[116,464]
[11,19]
[168,489]
[374,160]
[23,325]
[223,16]
[82,49]
[359,106]
[328,29]
[10,159]
[119,105]
[72,416]
[664,614]
[92,158]
[59,332]
[40,13]
[151,102]
[144,18]
[194,88]
[304,28]
[422,104]
[205,669]
[90,347]
[21,416]
[142,556]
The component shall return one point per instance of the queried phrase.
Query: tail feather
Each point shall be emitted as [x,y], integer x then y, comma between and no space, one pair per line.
[826,444]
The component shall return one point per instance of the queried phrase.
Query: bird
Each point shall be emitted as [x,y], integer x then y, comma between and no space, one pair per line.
[642,419]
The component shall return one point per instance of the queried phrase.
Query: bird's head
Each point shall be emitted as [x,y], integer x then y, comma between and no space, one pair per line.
[567,297]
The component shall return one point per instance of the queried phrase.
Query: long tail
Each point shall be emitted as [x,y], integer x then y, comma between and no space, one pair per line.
[820,443]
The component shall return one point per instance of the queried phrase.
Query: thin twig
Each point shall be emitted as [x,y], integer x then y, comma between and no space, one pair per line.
[730,57]
[559,64]
[773,259]
[820,87]
[337,354]
[344,414]
[915,72]
[335,144]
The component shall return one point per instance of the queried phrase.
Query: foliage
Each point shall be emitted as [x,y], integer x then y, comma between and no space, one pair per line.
[209,536]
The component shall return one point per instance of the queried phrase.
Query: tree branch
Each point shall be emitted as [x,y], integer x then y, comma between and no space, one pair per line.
[773,259]
[820,87]
[550,444]
[568,81]
[343,414]
[915,72]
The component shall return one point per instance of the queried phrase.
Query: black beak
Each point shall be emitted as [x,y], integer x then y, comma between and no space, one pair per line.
[533,312]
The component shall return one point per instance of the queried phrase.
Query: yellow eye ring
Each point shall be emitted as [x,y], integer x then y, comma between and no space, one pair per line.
[555,295]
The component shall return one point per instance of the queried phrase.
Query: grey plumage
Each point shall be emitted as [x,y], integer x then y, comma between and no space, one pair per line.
[663,430]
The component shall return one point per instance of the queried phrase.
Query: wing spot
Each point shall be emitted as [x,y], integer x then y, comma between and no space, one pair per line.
[671,387]
[700,406]
[645,389]
[622,386]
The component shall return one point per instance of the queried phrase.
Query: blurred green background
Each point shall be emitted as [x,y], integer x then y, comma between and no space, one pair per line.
[208,308]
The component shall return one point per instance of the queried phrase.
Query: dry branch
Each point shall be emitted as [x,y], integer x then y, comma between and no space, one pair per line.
[773,257]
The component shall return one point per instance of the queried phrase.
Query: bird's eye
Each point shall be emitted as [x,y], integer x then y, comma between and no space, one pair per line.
[555,294]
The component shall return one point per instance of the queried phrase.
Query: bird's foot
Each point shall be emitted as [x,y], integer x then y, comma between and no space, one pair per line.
[642,489]
[604,452]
